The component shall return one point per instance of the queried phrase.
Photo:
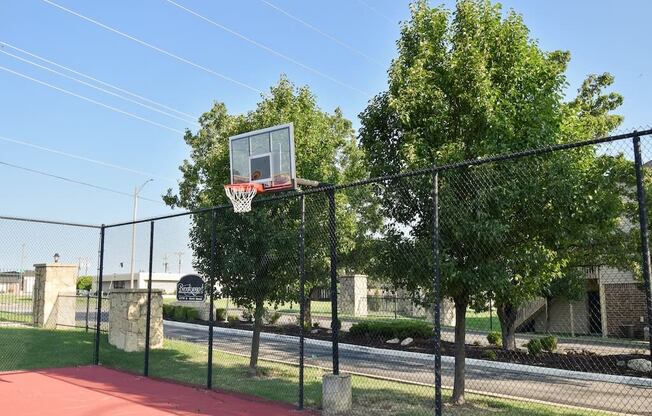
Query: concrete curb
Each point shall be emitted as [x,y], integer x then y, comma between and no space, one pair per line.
[517,368]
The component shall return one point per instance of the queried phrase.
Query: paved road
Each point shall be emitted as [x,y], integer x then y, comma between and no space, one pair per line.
[540,384]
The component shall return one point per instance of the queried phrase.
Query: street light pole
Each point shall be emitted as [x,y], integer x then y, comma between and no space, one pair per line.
[137,191]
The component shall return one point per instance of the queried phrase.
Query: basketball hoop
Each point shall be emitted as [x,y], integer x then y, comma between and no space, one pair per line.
[241,195]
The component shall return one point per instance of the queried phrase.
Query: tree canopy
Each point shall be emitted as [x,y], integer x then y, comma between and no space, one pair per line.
[471,83]
[257,252]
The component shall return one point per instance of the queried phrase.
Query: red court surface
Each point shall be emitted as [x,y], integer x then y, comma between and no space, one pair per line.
[98,391]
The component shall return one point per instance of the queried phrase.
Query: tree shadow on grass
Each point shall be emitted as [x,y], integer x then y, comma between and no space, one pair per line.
[373,397]
[187,363]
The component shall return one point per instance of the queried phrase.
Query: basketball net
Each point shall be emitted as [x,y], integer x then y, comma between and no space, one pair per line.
[242,194]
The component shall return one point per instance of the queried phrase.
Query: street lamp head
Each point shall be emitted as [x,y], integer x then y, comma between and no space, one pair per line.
[56,257]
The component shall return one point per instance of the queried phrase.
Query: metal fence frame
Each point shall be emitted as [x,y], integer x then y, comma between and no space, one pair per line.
[329,191]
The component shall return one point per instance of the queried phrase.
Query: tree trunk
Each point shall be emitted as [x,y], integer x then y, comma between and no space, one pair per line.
[507,316]
[460,350]
[255,340]
[308,309]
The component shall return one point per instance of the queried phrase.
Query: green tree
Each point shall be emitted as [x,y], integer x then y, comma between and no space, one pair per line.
[84,282]
[472,83]
[257,255]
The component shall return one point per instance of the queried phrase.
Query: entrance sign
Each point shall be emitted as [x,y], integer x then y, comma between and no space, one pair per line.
[191,288]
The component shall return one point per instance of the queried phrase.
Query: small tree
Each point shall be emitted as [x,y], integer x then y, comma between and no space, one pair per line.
[84,282]
[257,257]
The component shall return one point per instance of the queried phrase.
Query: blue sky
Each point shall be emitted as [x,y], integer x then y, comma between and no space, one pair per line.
[602,36]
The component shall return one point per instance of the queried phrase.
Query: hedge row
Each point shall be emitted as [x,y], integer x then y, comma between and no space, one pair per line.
[180,313]
[392,329]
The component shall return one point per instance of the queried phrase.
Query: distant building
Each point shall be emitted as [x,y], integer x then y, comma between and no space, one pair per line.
[167,282]
[613,304]
[17,282]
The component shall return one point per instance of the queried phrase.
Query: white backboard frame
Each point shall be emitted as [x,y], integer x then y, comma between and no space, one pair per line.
[268,130]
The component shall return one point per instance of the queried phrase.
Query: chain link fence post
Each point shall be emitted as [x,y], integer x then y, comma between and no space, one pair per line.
[436,290]
[332,231]
[98,316]
[211,288]
[302,298]
[645,237]
[149,298]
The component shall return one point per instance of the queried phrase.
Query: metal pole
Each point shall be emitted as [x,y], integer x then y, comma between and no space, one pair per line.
[88,301]
[132,263]
[491,318]
[645,237]
[437,291]
[149,298]
[211,291]
[395,305]
[100,272]
[302,298]
[332,230]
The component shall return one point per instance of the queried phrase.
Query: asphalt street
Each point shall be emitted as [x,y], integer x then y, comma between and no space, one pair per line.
[538,384]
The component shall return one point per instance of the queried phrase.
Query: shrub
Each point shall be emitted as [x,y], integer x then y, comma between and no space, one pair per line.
[192,314]
[248,315]
[315,324]
[534,347]
[84,282]
[549,343]
[271,317]
[220,314]
[168,311]
[391,329]
[489,354]
[494,338]
[179,313]
[232,319]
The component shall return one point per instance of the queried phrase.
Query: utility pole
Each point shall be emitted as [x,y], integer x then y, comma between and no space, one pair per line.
[179,254]
[137,191]
[165,262]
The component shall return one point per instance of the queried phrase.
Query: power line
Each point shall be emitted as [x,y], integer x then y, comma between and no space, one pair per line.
[268,49]
[140,97]
[149,107]
[376,11]
[322,33]
[86,159]
[63,178]
[153,47]
[92,101]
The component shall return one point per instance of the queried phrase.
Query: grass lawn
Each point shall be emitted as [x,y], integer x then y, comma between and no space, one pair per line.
[13,298]
[20,317]
[479,321]
[29,348]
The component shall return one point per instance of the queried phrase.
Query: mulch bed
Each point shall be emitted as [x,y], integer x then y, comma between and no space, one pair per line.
[582,360]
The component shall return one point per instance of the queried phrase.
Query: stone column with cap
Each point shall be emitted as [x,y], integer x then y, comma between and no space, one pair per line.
[55,286]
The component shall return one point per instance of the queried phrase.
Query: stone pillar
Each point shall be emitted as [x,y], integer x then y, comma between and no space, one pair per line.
[447,313]
[352,297]
[52,280]
[336,394]
[128,319]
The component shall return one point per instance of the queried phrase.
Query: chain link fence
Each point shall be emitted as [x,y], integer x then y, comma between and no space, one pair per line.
[32,251]
[517,284]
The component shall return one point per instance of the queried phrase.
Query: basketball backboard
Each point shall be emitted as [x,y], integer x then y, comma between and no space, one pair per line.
[264,157]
